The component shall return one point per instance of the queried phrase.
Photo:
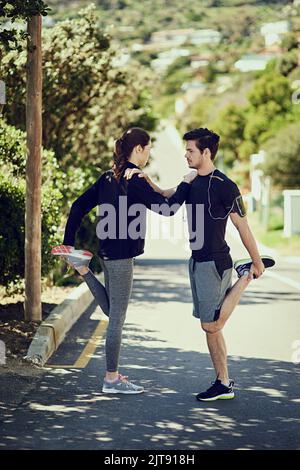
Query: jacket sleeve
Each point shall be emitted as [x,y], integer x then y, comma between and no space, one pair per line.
[154,201]
[84,204]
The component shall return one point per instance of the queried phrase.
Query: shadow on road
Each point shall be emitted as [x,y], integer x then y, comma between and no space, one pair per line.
[65,409]
[170,283]
[68,411]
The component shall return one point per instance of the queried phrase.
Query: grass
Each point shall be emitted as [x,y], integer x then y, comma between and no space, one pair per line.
[273,237]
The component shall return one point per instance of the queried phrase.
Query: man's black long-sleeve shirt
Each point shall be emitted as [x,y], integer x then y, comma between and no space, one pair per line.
[107,191]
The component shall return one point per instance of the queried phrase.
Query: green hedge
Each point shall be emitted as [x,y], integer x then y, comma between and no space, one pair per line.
[12,207]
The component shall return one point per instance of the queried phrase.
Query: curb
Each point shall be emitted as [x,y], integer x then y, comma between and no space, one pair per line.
[54,328]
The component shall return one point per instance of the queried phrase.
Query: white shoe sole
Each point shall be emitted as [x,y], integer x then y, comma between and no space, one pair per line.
[78,254]
[128,392]
[79,262]
[225,396]
[267,260]
[78,257]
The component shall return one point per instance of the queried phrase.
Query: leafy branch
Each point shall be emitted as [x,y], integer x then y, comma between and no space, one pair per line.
[18,10]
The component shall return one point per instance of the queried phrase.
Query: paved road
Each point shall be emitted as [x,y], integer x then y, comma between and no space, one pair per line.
[164,349]
[167,236]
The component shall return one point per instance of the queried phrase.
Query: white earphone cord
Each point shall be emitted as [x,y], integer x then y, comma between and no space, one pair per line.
[209,203]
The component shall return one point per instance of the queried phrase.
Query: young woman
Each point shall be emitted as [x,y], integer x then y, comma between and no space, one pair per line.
[119,198]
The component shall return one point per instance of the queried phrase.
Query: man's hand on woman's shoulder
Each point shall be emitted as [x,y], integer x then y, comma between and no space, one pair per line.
[129,172]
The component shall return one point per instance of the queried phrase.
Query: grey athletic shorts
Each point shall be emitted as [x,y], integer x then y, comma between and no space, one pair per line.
[208,289]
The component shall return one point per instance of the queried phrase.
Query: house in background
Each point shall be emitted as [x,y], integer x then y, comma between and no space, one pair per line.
[166,58]
[253,62]
[177,37]
[273,33]
[171,38]
[200,60]
[205,36]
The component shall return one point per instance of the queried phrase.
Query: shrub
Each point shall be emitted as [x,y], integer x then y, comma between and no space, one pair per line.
[12,206]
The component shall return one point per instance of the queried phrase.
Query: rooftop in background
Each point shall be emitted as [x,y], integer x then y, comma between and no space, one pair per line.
[171,34]
[179,36]
[166,58]
[273,32]
[253,62]
[200,60]
[279,27]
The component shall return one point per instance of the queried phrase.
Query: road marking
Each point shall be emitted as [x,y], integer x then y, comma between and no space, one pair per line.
[88,351]
[90,348]
[284,279]
[58,366]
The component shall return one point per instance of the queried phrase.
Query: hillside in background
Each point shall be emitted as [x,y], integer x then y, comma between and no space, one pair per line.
[138,19]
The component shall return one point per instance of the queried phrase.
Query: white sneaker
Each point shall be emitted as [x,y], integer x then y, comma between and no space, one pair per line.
[72,256]
[121,385]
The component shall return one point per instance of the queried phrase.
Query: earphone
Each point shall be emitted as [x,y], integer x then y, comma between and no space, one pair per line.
[240,208]
[209,202]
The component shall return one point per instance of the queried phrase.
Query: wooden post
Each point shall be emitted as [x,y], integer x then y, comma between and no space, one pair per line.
[32,304]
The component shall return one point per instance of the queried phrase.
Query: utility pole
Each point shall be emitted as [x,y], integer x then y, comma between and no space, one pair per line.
[32,304]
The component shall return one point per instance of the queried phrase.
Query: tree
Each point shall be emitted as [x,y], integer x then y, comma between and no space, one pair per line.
[289,41]
[31,11]
[282,161]
[87,101]
[18,10]
[270,105]
[12,207]
[87,98]
[230,125]
[288,62]
[210,73]
[271,88]
[198,115]
[235,31]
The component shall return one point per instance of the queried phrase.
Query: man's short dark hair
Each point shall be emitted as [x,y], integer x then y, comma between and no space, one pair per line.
[204,139]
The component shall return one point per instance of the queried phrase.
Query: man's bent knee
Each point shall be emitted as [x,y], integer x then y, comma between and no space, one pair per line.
[212,327]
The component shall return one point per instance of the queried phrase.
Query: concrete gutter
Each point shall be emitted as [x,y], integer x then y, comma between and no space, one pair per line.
[54,328]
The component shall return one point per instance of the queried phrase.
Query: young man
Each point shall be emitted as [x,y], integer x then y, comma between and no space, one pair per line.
[210,266]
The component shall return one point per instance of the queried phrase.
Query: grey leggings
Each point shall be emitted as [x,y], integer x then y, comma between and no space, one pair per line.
[113,300]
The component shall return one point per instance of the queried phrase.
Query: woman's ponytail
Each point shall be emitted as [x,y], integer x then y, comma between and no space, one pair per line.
[124,147]
[120,159]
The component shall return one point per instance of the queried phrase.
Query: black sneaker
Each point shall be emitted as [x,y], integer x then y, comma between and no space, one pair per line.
[217,391]
[242,266]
